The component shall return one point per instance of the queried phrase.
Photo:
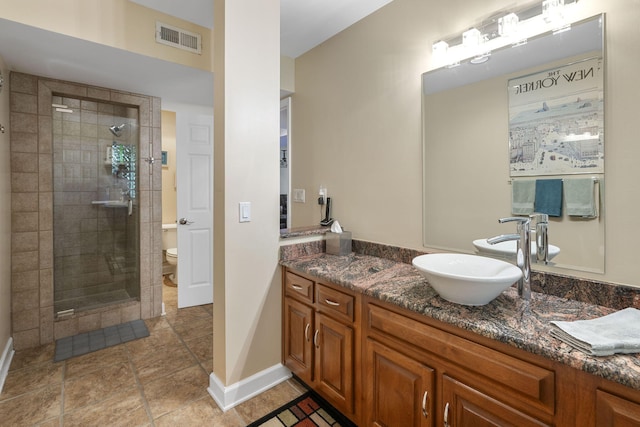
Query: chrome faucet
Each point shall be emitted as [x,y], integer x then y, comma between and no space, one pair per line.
[542,237]
[523,251]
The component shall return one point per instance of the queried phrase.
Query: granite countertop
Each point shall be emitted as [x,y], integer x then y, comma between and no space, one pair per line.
[314,230]
[508,318]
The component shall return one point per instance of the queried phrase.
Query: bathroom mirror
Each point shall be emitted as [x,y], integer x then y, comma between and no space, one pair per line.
[466,177]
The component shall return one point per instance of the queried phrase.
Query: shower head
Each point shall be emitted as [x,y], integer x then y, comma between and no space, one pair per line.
[117,130]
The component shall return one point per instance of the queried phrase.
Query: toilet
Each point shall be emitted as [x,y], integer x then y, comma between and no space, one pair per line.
[170,246]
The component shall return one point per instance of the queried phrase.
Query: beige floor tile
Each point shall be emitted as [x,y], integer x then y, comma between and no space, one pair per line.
[266,402]
[200,413]
[194,328]
[97,386]
[98,360]
[162,337]
[32,408]
[124,409]
[202,347]
[31,378]
[163,361]
[176,390]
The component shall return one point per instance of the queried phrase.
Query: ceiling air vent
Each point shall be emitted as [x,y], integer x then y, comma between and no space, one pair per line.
[177,37]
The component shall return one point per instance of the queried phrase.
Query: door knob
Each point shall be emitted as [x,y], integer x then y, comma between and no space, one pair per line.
[184,221]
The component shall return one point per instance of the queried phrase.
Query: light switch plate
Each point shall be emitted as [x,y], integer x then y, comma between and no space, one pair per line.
[245,211]
[298,195]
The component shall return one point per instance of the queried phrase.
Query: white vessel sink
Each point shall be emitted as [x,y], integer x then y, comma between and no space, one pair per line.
[507,250]
[467,279]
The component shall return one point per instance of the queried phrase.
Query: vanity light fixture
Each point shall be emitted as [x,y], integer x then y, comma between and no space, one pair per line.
[552,11]
[502,29]
[471,38]
[508,25]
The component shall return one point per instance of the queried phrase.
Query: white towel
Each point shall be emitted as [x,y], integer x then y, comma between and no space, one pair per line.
[618,332]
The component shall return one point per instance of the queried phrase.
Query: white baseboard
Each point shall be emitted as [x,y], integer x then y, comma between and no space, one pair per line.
[233,395]
[5,361]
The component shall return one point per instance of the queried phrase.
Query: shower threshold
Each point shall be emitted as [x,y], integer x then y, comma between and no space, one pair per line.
[70,306]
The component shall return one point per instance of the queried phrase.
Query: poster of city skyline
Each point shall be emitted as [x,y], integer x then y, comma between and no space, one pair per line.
[556,121]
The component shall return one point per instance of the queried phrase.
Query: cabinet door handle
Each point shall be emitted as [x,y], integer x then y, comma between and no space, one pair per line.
[333,303]
[446,415]
[425,399]
[315,338]
[306,332]
[296,287]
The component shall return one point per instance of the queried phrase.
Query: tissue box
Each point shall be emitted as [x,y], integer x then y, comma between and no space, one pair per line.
[338,243]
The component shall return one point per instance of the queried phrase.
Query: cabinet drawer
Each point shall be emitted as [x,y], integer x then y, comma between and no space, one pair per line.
[299,288]
[335,303]
[515,381]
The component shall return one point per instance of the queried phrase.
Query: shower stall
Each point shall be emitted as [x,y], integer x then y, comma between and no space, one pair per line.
[95,217]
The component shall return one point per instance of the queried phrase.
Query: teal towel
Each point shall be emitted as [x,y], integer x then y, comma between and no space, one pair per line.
[548,197]
[580,196]
[523,194]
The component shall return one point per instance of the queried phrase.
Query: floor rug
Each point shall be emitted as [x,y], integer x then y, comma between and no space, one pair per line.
[97,340]
[308,410]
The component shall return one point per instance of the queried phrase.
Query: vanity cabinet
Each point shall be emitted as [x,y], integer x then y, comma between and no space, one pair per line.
[383,365]
[446,379]
[400,390]
[320,338]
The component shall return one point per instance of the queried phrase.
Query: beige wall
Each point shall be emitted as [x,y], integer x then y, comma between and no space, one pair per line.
[117,23]
[169,205]
[357,122]
[246,169]
[5,215]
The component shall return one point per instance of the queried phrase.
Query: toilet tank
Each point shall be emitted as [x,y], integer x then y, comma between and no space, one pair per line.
[169,236]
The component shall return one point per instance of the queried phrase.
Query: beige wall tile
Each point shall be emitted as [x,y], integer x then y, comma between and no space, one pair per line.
[46,211]
[67,88]
[45,172]
[89,322]
[46,249]
[130,312]
[24,261]
[25,320]
[110,318]
[46,287]
[46,324]
[45,136]
[65,328]
[24,83]
[24,221]
[24,300]
[22,122]
[24,242]
[24,162]
[24,202]
[24,103]
[26,339]
[25,142]
[23,281]
[99,93]
[24,182]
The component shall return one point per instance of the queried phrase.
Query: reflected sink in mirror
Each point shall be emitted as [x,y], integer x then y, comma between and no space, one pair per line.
[467,279]
[507,250]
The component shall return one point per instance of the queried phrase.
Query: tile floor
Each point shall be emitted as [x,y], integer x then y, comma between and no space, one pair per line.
[160,380]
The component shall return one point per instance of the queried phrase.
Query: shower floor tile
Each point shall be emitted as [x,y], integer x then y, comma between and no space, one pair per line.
[97,340]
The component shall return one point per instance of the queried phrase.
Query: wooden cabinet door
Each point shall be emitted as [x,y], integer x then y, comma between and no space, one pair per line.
[399,390]
[298,339]
[465,406]
[614,411]
[334,361]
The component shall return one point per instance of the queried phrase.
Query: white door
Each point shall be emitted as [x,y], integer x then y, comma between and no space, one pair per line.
[194,170]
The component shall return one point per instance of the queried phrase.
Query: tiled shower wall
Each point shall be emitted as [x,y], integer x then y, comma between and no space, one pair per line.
[32,266]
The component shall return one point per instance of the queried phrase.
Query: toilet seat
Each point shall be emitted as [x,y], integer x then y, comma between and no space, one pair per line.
[172,252]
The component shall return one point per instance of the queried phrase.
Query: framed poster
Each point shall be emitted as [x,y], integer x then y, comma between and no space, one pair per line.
[556,121]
